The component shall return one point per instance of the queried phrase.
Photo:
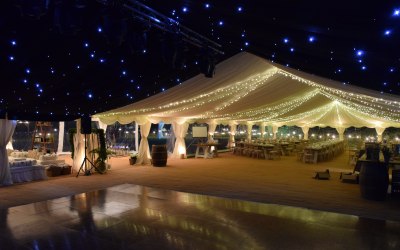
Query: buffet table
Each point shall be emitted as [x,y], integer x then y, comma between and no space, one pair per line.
[25,169]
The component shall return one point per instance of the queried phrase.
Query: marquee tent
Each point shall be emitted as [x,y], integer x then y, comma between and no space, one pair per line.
[247,89]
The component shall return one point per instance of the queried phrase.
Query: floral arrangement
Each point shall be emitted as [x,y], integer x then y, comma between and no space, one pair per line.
[134,156]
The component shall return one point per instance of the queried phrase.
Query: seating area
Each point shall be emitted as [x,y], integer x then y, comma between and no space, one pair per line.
[323,151]
[31,165]
[305,151]
[267,148]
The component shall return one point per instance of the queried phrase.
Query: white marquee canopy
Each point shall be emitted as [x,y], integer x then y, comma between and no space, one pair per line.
[250,89]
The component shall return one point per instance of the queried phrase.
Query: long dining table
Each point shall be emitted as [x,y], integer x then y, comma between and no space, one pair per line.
[265,147]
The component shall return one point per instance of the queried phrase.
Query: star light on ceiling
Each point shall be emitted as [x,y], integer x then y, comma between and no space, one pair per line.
[232,36]
[360,53]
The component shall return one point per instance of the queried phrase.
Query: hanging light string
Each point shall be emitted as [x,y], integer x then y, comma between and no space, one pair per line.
[370,111]
[266,112]
[367,100]
[239,88]
[227,96]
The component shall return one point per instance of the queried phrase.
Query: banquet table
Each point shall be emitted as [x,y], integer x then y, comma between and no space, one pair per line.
[314,152]
[317,148]
[266,149]
[26,169]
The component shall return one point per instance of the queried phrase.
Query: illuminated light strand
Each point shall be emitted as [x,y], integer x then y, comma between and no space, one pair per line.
[366,104]
[238,92]
[368,110]
[223,92]
[260,112]
[291,119]
[366,116]
[338,113]
[342,93]
[388,110]
[238,97]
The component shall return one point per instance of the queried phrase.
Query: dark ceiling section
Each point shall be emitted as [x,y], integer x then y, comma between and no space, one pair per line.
[72,58]
[61,59]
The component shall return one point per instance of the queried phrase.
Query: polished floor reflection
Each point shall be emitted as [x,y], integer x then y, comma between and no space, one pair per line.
[135,217]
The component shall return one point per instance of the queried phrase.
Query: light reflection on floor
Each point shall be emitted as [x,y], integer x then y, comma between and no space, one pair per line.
[135,217]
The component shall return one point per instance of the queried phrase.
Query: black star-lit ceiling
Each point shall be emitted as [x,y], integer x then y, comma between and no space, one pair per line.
[61,59]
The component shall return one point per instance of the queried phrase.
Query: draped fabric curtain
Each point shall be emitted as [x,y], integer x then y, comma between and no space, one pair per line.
[79,147]
[7,128]
[144,151]
[340,131]
[232,133]
[305,132]
[9,145]
[60,147]
[379,131]
[274,131]
[180,133]
[92,144]
[102,126]
[262,129]
[249,131]
[211,129]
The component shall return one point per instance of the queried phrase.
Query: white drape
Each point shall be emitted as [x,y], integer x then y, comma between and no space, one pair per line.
[305,132]
[79,148]
[262,130]
[249,131]
[103,126]
[9,145]
[60,147]
[379,131]
[7,128]
[274,131]
[180,133]
[340,131]
[144,152]
[92,143]
[211,129]
[232,133]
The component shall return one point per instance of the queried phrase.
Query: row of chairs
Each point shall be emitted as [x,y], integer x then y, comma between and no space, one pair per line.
[257,152]
[325,154]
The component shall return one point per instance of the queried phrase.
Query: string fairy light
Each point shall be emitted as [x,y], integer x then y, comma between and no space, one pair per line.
[359,106]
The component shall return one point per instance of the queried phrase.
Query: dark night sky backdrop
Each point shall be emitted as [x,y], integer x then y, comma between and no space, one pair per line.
[69,58]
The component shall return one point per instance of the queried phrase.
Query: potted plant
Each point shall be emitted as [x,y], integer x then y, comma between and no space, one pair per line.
[132,159]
